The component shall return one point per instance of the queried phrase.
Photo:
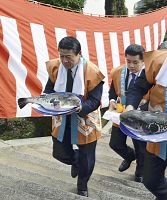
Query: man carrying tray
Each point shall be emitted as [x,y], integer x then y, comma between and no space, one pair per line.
[155,75]
[72,73]
[123,79]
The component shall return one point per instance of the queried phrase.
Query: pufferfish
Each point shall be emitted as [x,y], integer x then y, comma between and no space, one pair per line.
[145,122]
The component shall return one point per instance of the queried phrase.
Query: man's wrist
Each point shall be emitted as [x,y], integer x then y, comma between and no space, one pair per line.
[112,100]
[79,109]
[129,107]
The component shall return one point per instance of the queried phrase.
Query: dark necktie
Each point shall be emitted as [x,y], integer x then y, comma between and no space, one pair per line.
[132,80]
[69,83]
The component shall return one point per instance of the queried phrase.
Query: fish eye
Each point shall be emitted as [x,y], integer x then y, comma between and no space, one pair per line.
[154,128]
[151,128]
[52,100]
[56,103]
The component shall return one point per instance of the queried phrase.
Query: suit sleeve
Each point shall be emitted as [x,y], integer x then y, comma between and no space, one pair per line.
[93,100]
[112,93]
[138,90]
[49,88]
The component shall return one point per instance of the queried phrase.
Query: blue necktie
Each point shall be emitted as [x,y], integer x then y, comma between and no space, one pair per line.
[132,80]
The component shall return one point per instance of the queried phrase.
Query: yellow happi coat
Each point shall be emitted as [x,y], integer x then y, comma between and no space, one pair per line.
[89,127]
[153,62]
[116,76]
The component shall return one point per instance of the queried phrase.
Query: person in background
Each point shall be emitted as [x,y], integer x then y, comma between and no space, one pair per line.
[155,77]
[122,79]
[72,73]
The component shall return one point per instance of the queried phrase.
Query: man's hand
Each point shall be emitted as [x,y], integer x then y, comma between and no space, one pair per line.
[128,108]
[79,109]
[142,102]
[112,105]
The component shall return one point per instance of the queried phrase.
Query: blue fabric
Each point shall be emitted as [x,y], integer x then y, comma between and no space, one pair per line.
[122,84]
[163,148]
[62,129]
[163,145]
[165,91]
[74,129]
[132,80]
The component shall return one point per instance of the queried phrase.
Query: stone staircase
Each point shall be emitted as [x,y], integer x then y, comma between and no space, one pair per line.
[28,172]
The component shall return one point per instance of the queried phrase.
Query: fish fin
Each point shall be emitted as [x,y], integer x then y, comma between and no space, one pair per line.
[22,102]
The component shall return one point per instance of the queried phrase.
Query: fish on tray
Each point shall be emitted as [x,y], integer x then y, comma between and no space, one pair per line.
[145,122]
[54,102]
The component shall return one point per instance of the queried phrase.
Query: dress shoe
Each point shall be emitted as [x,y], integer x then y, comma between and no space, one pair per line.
[74,171]
[83,193]
[124,165]
[139,179]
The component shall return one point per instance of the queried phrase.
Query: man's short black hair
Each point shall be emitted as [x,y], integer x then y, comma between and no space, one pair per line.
[163,45]
[134,50]
[70,43]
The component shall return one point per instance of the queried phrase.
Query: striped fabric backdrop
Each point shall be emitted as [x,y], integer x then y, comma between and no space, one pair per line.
[29,34]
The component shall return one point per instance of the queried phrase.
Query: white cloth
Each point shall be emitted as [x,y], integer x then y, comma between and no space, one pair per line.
[161,77]
[78,84]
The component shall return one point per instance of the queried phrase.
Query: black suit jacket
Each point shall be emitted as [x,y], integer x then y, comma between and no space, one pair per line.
[135,93]
[138,90]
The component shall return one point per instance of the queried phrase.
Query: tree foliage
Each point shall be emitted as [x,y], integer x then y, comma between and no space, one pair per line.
[115,7]
[70,4]
[149,5]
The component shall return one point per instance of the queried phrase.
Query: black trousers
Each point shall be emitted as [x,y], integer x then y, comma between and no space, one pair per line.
[154,176]
[83,158]
[118,144]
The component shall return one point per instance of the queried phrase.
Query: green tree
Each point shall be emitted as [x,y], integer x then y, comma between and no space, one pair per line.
[149,5]
[115,7]
[70,4]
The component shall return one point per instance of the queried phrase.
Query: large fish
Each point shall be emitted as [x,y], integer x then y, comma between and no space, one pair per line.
[145,122]
[54,102]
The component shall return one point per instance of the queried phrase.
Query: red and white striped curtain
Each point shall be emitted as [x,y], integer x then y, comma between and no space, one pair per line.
[29,34]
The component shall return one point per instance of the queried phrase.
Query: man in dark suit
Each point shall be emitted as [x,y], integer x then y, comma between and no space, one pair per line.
[72,73]
[155,162]
[122,79]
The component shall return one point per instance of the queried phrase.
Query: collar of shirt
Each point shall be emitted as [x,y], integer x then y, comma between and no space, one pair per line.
[137,73]
[74,69]
[141,70]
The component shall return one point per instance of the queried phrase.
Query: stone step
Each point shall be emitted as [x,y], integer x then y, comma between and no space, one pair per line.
[98,189]
[29,163]
[29,156]
[97,181]
[31,190]
[8,181]
[8,193]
